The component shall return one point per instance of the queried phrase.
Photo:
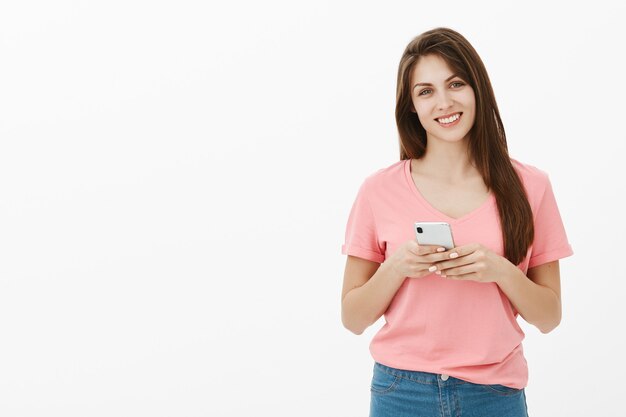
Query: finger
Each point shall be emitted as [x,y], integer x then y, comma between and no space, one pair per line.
[458,270]
[473,276]
[458,252]
[447,254]
[464,250]
[439,256]
[444,266]
[428,249]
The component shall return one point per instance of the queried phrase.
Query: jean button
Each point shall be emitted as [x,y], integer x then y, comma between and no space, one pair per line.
[444,377]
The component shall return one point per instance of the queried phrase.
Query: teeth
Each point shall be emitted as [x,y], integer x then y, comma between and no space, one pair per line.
[450,119]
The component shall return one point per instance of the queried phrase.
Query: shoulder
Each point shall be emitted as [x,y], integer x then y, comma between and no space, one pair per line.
[382,178]
[384,189]
[535,180]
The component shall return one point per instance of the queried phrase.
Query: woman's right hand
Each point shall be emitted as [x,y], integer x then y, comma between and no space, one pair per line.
[413,260]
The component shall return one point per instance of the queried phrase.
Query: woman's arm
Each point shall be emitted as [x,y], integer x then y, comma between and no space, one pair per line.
[538,299]
[368,289]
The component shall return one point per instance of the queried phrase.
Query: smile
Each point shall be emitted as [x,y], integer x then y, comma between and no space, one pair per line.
[450,121]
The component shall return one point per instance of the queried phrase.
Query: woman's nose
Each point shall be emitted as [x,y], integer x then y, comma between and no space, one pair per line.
[444,101]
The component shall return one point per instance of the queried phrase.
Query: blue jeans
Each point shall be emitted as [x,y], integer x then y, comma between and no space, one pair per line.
[400,393]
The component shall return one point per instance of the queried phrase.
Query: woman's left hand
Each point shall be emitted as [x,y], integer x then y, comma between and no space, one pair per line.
[474,262]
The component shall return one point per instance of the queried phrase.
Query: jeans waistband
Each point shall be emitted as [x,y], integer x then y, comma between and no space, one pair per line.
[419,376]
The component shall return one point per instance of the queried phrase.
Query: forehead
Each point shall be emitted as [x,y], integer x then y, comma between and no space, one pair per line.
[430,69]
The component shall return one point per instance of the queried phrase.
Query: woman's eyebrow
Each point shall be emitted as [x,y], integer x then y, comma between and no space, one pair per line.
[447,79]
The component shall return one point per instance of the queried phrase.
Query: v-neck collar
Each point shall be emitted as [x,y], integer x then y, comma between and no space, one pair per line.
[415,191]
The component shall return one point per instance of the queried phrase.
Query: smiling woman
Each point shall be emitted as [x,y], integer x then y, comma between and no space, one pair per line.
[451,340]
[452,88]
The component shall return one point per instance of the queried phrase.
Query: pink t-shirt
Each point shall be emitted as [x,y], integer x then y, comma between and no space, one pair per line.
[465,329]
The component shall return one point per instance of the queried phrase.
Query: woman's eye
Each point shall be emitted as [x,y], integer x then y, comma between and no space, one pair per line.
[456,82]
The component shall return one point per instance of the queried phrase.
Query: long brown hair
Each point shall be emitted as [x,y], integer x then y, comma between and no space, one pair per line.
[487,144]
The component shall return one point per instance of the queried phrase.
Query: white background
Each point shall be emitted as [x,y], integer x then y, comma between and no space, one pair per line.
[176,177]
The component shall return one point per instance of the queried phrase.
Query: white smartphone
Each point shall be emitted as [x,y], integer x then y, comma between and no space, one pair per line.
[434,233]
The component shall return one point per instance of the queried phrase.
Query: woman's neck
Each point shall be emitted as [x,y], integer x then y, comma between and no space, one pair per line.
[446,161]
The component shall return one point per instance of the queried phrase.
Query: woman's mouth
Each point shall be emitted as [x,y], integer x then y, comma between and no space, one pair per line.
[451,121]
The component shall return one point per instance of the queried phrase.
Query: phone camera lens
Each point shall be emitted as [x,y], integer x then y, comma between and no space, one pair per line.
[419,230]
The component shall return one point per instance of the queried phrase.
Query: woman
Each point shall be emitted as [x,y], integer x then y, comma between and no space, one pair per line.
[451,344]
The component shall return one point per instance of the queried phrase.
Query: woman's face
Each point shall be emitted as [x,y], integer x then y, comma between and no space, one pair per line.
[444,95]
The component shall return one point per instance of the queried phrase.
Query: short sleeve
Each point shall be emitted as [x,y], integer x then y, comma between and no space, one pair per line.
[550,241]
[361,237]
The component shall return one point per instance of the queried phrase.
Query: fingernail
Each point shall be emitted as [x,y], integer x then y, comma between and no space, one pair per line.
[443,276]
[454,255]
[432,268]
[441,249]
[438,272]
